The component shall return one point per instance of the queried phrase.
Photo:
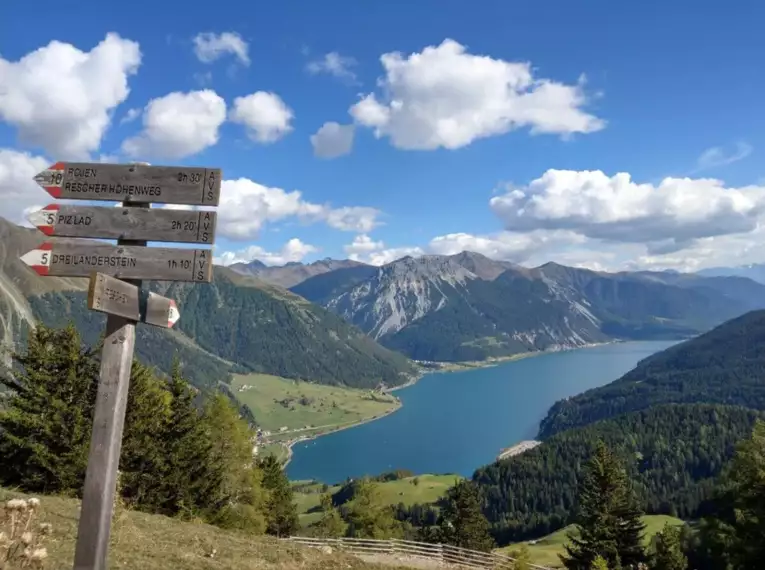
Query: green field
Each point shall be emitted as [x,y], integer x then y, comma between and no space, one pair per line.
[545,550]
[429,489]
[307,497]
[278,402]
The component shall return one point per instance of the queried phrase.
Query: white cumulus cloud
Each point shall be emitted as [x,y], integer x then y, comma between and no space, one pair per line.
[446,97]
[178,125]
[366,250]
[61,98]
[265,116]
[19,194]
[332,140]
[209,47]
[293,250]
[667,217]
[245,206]
[507,246]
[334,64]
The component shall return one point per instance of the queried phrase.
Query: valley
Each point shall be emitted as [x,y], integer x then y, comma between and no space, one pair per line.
[417,375]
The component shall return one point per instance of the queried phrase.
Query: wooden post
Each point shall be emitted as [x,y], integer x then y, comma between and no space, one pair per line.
[94,527]
[128,262]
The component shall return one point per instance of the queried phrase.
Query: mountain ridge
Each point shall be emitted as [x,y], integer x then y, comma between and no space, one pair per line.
[436,307]
[291,273]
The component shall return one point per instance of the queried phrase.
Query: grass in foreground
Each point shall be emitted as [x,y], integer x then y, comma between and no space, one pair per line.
[279,402]
[545,550]
[153,542]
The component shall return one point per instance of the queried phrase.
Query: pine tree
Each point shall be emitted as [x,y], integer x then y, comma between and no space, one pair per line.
[331,524]
[608,522]
[46,423]
[369,516]
[668,553]
[143,458]
[462,523]
[190,481]
[747,481]
[281,512]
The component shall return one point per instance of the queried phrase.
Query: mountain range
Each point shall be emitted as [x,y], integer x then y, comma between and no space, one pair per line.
[347,323]
[754,271]
[292,273]
[468,307]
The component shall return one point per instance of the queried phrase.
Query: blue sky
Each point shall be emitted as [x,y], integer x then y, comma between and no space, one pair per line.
[593,133]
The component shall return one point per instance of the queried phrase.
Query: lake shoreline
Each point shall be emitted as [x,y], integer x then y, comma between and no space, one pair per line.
[444,367]
[290,444]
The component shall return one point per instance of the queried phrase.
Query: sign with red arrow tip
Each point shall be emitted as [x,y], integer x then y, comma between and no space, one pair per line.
[180,226]
[132,183]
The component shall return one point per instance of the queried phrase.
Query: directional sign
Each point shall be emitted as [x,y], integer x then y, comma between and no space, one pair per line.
[132,183]
[115,297]
[122,261]
[126,223]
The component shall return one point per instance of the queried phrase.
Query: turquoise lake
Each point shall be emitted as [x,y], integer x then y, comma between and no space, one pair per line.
[454,422]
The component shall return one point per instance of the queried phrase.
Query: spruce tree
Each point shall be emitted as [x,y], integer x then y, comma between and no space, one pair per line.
[607,522]
[331,524]
[462,523]
[143,459]
[281,511]
[190,481]
[369,516]
[46,423]
[668,553]
[746,479]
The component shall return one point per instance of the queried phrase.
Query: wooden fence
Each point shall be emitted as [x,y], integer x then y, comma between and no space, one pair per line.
[444,554]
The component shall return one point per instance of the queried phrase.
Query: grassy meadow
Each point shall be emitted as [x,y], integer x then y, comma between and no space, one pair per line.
[278,402]
[429,489]
[544,551]
[154,542]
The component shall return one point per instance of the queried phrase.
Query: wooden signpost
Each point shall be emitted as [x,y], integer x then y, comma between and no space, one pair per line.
[184,226]
[132,183]
[114,297]
[115,273]
[53,259]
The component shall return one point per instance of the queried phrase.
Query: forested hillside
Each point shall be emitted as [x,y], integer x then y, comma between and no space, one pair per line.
[672,454]
[154,346]
[234,324]
[725,366]
[239,326]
